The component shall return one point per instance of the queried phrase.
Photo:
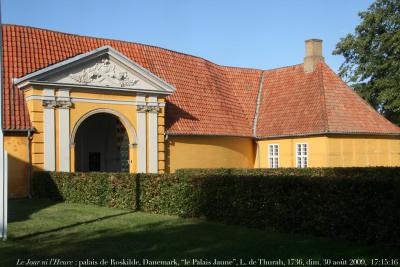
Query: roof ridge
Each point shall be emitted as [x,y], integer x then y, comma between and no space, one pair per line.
[128,42]
[148,45]
[284,67]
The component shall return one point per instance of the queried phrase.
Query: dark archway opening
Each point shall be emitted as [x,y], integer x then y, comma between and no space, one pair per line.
[102,144]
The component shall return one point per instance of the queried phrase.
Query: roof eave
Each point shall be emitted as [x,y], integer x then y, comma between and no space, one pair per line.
[326,134]
[104,88]
[208,134]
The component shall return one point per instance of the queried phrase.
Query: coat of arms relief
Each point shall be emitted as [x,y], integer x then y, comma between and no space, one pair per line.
[104,73]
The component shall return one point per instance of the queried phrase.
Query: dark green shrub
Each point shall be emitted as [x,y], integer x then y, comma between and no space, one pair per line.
[106,189]
[353,208]
[312,172]
[170,194]
[354,203]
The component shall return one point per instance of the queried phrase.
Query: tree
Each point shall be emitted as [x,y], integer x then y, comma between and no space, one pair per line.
[372,57]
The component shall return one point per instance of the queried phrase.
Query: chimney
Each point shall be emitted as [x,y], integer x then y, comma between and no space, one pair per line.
[313,54]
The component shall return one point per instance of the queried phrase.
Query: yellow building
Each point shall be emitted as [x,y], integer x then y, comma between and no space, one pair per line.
[76,103]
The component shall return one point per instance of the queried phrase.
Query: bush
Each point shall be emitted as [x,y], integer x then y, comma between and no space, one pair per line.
[354,208]
[354,203]
[105,189]
[170,194]
[311,172]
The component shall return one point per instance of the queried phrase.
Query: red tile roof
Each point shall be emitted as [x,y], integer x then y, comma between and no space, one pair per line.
[210,99]
[297,103]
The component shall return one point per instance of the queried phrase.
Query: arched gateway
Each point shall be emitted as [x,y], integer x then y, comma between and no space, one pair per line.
[102,144]
[102,139]
[97,111]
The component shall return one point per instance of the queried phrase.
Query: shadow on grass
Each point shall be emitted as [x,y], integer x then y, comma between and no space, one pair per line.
[179,239]
[71,226]
[18,212]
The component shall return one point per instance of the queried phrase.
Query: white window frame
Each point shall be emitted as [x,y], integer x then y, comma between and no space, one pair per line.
[302,155]
[273,156]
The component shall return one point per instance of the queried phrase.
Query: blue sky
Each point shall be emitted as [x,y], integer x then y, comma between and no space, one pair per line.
[260,34]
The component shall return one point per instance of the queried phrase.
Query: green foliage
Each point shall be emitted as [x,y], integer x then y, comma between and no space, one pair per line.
[171,194]
[354,203]
[105,189]
[372,56]
[312,172]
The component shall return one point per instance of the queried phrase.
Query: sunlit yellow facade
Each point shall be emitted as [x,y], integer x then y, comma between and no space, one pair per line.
[334,151]
[209,152]
[102,112]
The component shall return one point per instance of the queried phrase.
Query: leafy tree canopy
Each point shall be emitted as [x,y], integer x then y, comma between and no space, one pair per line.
[372,57]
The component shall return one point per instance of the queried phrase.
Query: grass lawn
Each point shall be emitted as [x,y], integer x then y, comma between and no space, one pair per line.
[42,229]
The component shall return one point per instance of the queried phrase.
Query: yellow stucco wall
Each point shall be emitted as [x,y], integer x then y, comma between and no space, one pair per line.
[209,152]
[363,151]
[37,145]
[16,147]
[287,151]
[338,151]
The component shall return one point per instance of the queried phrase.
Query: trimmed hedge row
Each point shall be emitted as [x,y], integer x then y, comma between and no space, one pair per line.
[353,208]
[166,194]
[116,190]
[354,203]
[312,172]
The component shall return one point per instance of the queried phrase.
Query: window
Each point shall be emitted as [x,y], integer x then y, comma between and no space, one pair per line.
[302,155]
[273,156]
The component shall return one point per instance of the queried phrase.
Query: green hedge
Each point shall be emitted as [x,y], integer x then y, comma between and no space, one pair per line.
[312,172]
[354,208]
[106,189]
[354,203]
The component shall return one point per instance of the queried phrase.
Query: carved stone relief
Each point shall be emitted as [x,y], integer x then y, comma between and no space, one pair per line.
[153,109]
[141,108]
[145,108]
[56,104]
[105,73]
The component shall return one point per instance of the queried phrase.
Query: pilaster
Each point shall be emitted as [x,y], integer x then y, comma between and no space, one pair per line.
[141,135]
[49,104]
[153,134]
[63,104]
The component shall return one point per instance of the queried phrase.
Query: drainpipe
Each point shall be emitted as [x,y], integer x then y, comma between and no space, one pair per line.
[29,141]
[258,154]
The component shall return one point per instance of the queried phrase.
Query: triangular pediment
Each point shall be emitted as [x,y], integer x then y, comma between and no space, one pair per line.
[103,68]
